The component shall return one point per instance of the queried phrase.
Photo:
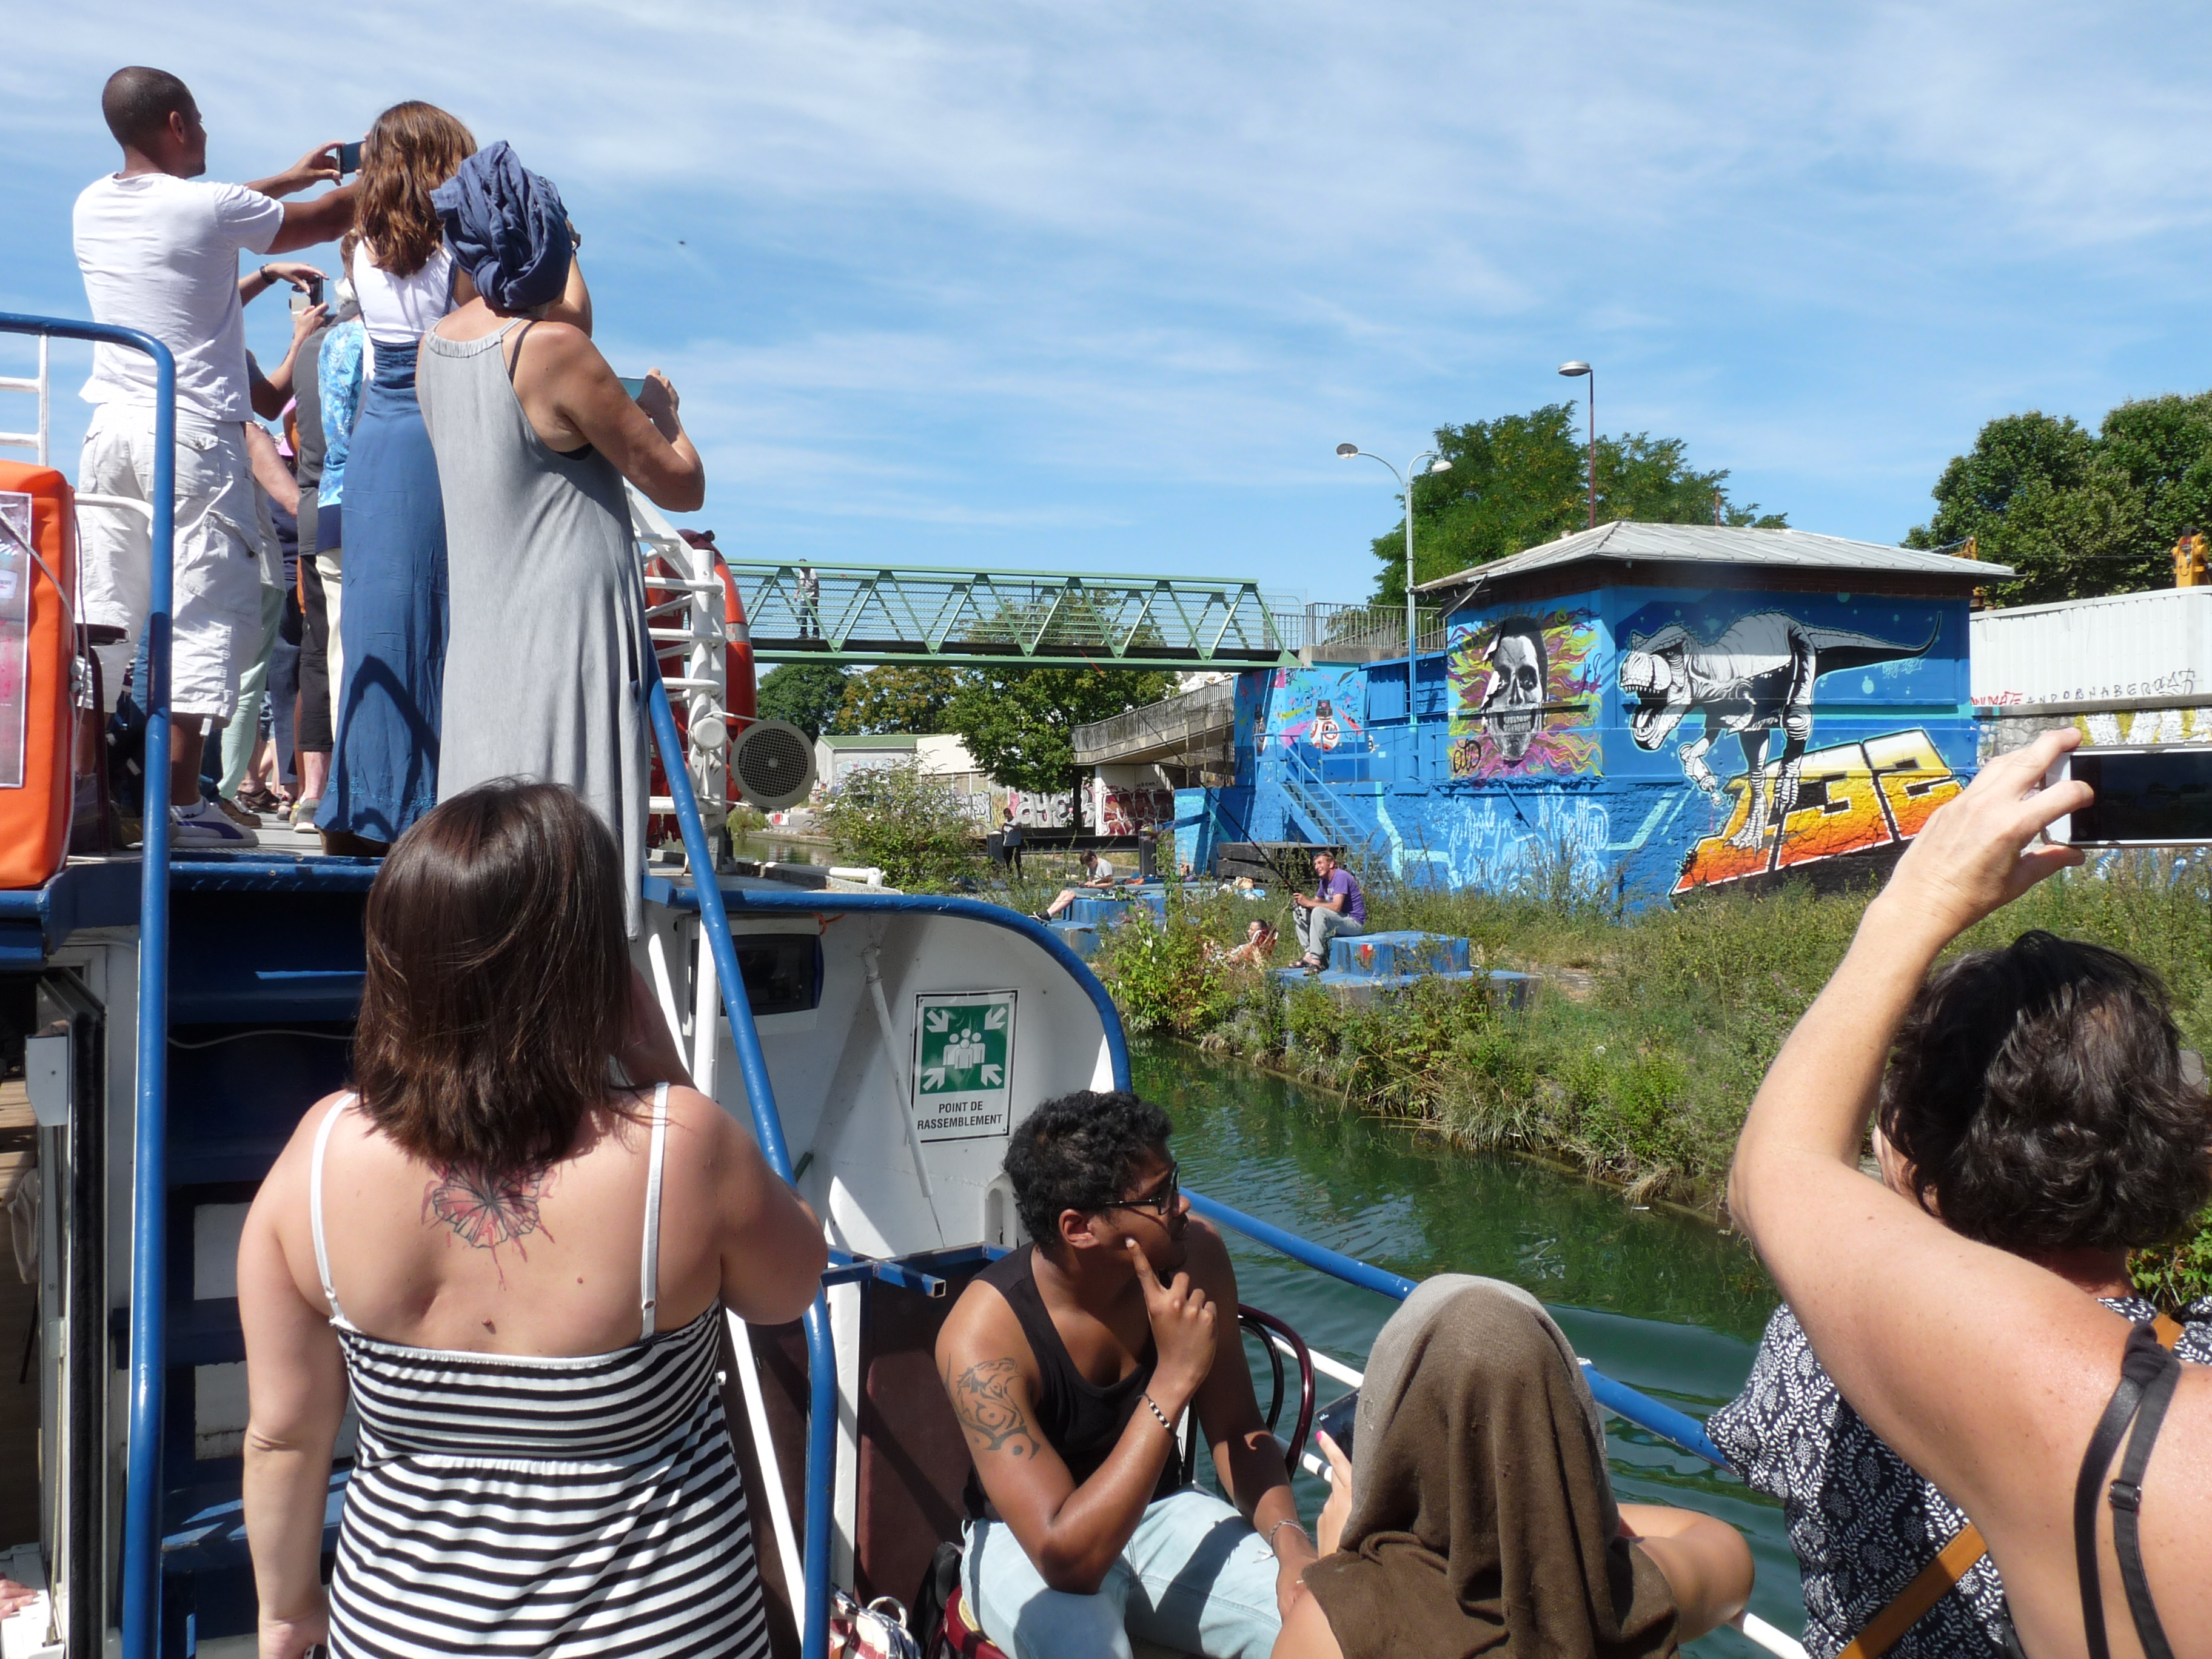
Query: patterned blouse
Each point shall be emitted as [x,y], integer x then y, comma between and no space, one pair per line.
[339,376]
[1862,1521]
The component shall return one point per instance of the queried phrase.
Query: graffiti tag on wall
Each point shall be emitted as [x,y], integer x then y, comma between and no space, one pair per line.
[1851,797]
[1758,677]
[1521,685]
[1326,708]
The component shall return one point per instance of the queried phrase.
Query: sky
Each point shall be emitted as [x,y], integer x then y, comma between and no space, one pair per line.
[1074,287]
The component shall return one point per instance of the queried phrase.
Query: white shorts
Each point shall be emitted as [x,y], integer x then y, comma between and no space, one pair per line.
[217,616]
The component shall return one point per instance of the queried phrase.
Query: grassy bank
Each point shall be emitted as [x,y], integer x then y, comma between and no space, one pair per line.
[1639,1060]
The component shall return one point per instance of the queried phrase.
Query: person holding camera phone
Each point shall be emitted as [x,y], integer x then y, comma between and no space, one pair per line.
[535,437]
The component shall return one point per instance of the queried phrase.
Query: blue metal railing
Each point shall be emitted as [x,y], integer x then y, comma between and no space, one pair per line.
[149,1205]
[1618,1398]
[768,1127]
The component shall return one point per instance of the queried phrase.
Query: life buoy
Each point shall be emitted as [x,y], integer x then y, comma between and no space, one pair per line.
[740,694]
[37,654]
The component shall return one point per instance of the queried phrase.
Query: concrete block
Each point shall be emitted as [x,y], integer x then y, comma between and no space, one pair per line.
[1080,937]
[1391,956]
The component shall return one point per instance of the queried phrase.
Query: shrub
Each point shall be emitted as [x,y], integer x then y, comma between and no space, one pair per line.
[908,823]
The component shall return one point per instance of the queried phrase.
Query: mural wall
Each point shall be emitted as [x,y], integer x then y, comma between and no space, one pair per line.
[1639,741]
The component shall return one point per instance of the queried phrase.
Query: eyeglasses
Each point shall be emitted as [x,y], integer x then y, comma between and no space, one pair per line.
[1162,1201]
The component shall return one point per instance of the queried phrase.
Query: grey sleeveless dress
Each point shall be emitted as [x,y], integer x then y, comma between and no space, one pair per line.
[545,660]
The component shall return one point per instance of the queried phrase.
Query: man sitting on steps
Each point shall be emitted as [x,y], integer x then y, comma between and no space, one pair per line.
[1068,1364]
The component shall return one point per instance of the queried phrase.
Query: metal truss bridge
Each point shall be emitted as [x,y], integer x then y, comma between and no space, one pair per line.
[947,618]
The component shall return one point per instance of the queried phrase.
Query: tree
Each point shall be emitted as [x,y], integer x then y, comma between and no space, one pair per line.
[1523,480]
[895,698]
[2079,513]
[905,821]
[807,694]
[1020,724]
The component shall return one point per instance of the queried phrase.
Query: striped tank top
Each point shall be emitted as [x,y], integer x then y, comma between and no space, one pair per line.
[514,1505]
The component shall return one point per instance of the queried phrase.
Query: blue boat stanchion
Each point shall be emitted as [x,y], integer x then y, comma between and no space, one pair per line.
[768,1127]
[1623,1401]
[149,1205]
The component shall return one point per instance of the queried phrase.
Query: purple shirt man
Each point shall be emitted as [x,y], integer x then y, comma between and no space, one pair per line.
[1338,907]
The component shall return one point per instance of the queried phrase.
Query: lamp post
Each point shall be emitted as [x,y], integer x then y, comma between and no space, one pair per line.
[1414,469]
[1575,371]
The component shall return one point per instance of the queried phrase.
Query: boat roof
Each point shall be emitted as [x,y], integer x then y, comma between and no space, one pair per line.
[1627,542]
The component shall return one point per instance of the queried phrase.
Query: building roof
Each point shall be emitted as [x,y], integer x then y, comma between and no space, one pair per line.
[881,740]
[1626,541]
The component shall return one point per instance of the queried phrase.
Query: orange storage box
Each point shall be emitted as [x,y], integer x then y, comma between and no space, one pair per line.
[38,652]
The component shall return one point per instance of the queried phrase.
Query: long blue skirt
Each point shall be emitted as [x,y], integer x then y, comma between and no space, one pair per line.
[384,766]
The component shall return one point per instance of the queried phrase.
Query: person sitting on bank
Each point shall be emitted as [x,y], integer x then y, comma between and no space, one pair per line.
[1337,907]
[1475,1513]
[1068,1364]
[2075,1442]
[1258,949]
[1966,1129]
[1097,872]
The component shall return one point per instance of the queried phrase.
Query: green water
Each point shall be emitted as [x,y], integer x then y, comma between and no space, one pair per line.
[1665,1304]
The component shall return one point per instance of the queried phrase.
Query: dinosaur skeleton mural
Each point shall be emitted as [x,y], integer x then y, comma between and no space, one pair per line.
[1756,678]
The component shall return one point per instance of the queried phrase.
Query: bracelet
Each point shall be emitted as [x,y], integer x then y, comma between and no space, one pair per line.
[1287,1520]
[1158,1413]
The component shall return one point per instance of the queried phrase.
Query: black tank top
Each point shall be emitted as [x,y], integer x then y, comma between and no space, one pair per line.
[1077,1419]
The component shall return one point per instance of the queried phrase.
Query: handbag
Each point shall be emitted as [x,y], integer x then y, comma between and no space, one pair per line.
[875,1631]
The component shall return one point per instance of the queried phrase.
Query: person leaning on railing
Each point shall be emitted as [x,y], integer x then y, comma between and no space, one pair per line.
[2037,1100]
[1991,1375]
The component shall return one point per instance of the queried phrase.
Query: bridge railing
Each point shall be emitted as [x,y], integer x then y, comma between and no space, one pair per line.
[800,613]
[1208,712]
[1368,633]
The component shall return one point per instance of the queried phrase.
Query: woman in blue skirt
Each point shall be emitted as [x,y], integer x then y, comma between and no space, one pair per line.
[393,621]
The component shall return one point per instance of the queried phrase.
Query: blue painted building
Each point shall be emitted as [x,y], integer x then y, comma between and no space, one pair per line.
[1639,709]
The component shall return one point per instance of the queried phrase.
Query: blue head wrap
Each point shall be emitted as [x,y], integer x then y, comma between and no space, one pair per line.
[508,229]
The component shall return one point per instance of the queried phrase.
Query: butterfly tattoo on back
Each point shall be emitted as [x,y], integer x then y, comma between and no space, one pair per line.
[486,1211]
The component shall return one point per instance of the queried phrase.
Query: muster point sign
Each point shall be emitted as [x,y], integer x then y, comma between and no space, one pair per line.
[964,1064]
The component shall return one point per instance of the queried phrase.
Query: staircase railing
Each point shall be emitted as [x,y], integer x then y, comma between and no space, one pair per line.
[149,1197]
[1304,787]
[768,1128]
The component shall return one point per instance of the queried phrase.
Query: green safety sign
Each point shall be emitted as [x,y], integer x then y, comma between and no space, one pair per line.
[963,1064]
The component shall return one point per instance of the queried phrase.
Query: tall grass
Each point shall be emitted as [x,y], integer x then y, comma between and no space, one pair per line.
[1639,1058]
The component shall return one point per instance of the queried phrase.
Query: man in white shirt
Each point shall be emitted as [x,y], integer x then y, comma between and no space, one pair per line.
[159,252]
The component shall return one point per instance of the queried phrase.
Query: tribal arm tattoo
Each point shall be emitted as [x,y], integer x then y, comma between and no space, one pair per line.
[487,1211]
[983,1400]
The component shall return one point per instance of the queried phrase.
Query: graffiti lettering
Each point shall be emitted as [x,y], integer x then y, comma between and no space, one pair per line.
[1851,797]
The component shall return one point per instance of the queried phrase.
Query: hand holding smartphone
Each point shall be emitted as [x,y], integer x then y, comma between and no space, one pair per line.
[2145,797]
[349,158]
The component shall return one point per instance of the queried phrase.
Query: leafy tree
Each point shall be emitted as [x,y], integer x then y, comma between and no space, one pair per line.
[1020,724]
[2079,513]
[894,698]
[906,821]
[1523,480]
[807,694]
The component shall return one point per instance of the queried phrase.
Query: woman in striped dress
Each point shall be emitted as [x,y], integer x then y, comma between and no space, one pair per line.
[521,1273]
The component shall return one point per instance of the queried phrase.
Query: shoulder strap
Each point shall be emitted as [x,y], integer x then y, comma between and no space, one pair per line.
[1929,1586]
[514,357]
[648,1273]
[2140,1365]
[2125,1496]
[315,1201]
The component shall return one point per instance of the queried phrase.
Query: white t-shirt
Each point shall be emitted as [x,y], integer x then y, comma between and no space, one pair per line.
[398,311]
[161,254]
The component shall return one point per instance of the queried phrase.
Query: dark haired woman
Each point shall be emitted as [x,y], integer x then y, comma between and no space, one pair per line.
[2001,1049]
[518,1269]
[2078,1445]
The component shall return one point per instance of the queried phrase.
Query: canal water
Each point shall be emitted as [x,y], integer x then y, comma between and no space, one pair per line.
[1665,1304]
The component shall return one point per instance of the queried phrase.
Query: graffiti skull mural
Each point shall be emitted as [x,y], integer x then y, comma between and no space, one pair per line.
[1757,677]
[1512,704]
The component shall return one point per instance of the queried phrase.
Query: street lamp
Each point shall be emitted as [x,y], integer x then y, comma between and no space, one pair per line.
[1575,371]
[1414,469]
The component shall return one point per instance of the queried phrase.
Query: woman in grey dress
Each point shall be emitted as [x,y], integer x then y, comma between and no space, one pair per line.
[545,671]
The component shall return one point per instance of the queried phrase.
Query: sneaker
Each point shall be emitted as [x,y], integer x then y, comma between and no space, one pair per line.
[201,825]
[303,816]
[237,814]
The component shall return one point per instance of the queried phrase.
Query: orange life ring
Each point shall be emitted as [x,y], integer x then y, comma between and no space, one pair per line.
[37,596]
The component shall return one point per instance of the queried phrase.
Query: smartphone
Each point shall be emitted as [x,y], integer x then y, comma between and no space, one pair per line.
[2158,797]
[633,385]
[311,295]
[1335,1419]
[348,158]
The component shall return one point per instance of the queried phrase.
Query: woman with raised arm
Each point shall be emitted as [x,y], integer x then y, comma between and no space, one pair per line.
[2079,1447]
[512,1243]
[535,437]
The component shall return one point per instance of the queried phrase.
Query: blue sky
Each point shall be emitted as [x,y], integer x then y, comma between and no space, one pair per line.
[1091,288]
